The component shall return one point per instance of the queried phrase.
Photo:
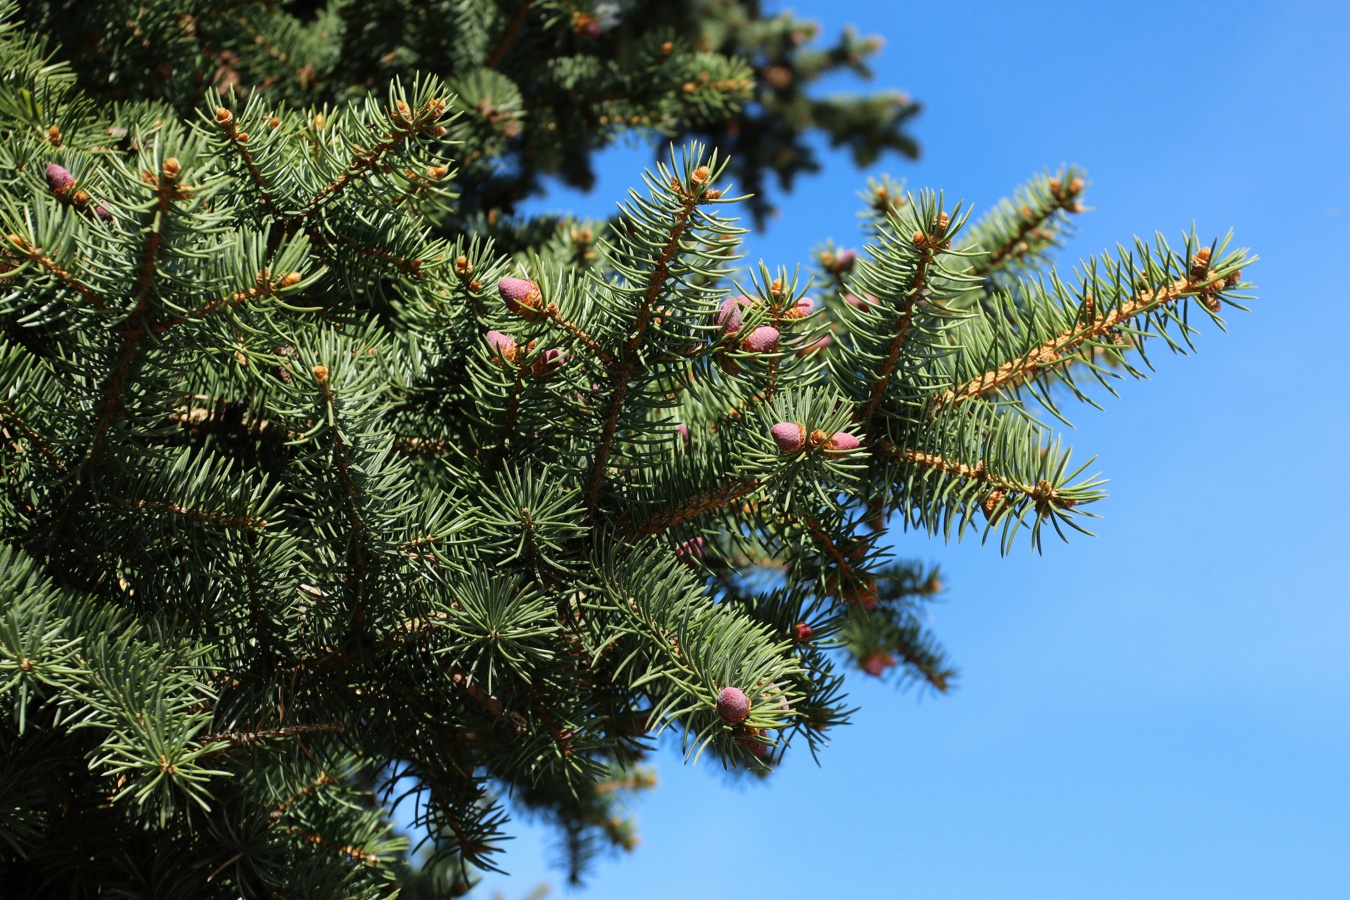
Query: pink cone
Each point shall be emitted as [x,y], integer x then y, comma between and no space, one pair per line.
[761,340]
[59,179]
[503,345]
[732,705]
[548,364]
[803,308]
[789,436]
[845,260]
[816,347]
[729,315]
[801,632]
[691,549]
[876,663]
[860,302]
[842,442]
[520,295]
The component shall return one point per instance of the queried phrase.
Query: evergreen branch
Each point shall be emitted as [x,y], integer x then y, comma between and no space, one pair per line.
[499,52]
[514,720]
[1043,493]
[628,360]
[359,551]
[341,849]
[36,255]
[280,809]
[929,246]
[199,515]
[691,508]
[550,312]
[406,125]
[265,287]
[237,139]
[7,415]
[1053,351]
[238,739]
[1063,197]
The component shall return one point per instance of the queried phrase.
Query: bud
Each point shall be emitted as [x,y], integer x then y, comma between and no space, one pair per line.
[729,315]
[436,173]
[762,340]
[992,505]
[713,194]
[273,123]
[845,260]
[502,346]
[691,550]
[59,179]
[875,663]
[842,442]
[320,373]
[1200,264]
[801,632]
[224,116]
[802,308]
[1055,185]
[172,167]
[242,137]
[54,136]
[1076,186]
[521,296]
[789,436]
[463,266]
[755,747]
[548,364]
[941,222]
[732,705]
[291,279]
[700,175]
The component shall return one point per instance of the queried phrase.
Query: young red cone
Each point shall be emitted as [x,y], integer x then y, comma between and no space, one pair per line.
[789,436]
[761,340]
[521,296]
[732,705]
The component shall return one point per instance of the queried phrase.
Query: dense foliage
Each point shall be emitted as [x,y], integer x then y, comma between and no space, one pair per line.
[327,474]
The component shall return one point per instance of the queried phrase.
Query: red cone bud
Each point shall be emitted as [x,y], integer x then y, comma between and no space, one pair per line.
[845,260]
[789,436]
[521,296]
[503,345]
[801,632]
[683,431]
[732,705]
[761,340]
[548,364]
[842,442]
[729,315]
[803,307]
[755,747]
[875,663]
[691,549]
[59,179]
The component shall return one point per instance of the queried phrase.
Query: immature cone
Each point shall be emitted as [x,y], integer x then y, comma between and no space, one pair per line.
[801,632]
[732,705]
[754,746]
[691,550]
[842,442]
[548,364]
[845,260]
[762,340]
[789,436]
[816,347]
[875,663]
[802,308]
[503,345]
[860,302]
[521,296]
[59,179]
[729,315]
[683,431]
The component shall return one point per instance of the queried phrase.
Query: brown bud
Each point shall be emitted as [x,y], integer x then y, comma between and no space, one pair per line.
[436,173]
[919,239]
[54,136]
[242,137]
[439,130]
[1076,186]
[818,437]
[320,373]
[224,116]
[1055,186]
[1233,279]
[667,48]
[172,167]
[700,175]
[463,266]
[993,505]
[713,194]
[941,223]
[273,123]
[1200,264]
[291,279]
[318,121]
[80,198]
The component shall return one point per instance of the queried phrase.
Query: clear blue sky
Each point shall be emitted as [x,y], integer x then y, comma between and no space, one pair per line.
[1162,711]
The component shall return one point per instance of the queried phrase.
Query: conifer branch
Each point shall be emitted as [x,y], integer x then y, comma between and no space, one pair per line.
[1057,350]
[406,125]
[36,255]
[225,119]
[929,246]
[628,359]
[499,52]
[341,849]
[237,739]
[8,416]
[359,552]
[514,720]
[210,517]
[550,312]
[1062,197]
[692,507]
[1043,494]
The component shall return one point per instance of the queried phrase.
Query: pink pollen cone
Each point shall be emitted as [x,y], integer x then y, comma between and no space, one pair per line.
[845,260]
[842,442]
[732,705]
[520,295]
[503,345]
[761,340]
[875,663]
[803,308]
[691,549]
[801,632]
[816,347]
[548,364]
[729,315]
[59,179]
[789,436]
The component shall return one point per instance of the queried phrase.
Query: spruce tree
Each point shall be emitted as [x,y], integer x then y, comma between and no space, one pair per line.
[328,473]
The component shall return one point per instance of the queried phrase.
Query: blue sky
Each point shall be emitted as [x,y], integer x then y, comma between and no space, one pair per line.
[1162,711]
